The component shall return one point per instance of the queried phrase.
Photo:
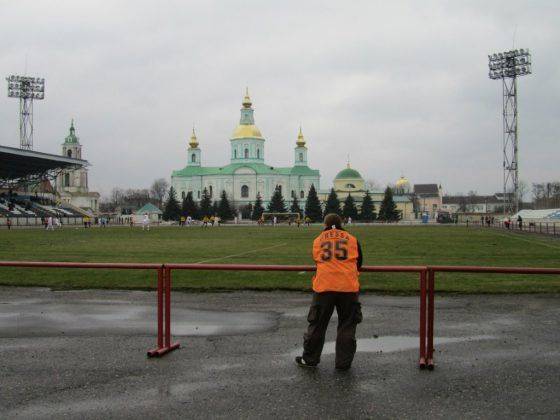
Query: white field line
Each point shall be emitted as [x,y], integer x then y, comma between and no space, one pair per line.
[519,237]
[241,253]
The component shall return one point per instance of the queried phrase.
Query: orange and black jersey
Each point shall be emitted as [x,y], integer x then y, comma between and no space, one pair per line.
[338,256]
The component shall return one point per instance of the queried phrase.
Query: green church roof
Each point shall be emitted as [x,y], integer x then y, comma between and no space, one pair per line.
[348,173]
[148,208]
[259,168]
[71,137]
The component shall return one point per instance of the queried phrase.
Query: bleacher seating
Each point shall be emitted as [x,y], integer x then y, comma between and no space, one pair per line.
[32,206]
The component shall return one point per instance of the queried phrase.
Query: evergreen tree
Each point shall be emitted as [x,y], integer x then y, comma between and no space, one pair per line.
[258,208]
[215,208]
[224,209]
[247,211]
[368,209]
[388,210]
[277,204]
[313,205]
[349,209]
[189,207]
[333,203]
[172,208]
[205,204]
[295,206]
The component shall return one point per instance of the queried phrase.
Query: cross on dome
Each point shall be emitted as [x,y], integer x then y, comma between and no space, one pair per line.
[247,99]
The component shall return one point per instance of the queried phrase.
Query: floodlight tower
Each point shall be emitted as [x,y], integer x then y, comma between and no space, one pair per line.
[508,66]
[26,89]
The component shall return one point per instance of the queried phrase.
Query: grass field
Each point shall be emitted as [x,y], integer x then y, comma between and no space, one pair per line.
[382,245]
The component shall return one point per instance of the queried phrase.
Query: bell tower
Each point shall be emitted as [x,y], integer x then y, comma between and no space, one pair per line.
[300,151]
[193,151]
[72,180]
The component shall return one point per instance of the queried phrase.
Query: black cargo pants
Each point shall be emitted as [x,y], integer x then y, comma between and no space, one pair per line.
[349,313]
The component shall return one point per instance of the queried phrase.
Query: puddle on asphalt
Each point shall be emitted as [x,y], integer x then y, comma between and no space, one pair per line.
[102,318]
[395,343]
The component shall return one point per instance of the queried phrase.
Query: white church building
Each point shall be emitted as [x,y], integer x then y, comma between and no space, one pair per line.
[247,174]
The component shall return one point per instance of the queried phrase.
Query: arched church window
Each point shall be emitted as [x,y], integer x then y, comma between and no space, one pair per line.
[301,194]
[235,153]
[244,191]
[350,186]
[183,195]
[293,194]
[193,158]
[301,157]
[210,190]
[69,153]
[258,153]
[246,153]
[66,180]
[198,194]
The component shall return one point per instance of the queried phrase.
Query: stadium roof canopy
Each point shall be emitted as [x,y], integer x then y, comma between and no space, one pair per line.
[20,165]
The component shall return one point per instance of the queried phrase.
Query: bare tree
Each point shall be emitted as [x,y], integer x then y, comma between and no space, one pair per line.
[372,185]
[472,199]
[158,190]
[462,203]
[117,196]
[546,195]
[522,190]
[136,197]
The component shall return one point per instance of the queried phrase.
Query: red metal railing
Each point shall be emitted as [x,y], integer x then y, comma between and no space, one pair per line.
[431,271]
[368,269]
[426,288]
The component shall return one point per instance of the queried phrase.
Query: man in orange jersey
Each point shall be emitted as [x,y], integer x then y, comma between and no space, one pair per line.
[338,256]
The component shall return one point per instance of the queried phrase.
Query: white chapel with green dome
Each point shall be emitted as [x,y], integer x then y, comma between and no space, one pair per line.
[247,174]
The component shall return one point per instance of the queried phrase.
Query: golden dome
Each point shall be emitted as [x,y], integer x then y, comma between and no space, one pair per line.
[300,140]
[243,131]
[402,182]
[194,141]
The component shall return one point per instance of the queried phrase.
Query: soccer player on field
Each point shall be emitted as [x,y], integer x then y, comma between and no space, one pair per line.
[146,222]
[338,257]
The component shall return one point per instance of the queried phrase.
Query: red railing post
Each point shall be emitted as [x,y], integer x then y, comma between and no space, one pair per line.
[164,344]
[160,308]
[164,314]
[167,282]
[431,310]
[422,329]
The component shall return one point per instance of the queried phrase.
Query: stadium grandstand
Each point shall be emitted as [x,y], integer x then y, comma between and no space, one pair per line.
[544,215]
[27,196]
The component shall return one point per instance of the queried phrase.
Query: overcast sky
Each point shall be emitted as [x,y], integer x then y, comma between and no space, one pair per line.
[402,87]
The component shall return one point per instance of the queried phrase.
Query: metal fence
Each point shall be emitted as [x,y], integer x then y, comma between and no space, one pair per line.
[545,228]
[426,287]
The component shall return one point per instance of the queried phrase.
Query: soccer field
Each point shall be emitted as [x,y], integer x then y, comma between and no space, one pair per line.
[382,245]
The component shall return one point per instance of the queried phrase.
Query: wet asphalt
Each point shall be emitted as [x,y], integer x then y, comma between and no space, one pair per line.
[82,354]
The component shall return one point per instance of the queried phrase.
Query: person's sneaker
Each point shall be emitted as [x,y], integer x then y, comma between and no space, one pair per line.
[302,363]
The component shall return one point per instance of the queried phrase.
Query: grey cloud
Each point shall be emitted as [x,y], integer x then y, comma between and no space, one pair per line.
[400,86]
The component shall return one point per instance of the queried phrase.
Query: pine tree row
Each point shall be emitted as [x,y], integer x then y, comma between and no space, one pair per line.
[173,210]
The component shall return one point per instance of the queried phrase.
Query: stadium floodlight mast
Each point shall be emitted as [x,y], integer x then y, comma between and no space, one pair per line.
[508,66]
[27,89]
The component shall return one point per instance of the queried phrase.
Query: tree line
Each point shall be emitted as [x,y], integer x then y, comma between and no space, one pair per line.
[174,210]
[134,198]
